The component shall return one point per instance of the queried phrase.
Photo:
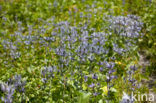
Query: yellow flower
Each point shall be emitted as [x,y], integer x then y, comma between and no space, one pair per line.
[118,62]
[105,90]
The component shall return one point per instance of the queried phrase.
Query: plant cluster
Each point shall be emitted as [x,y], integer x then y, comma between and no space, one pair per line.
[69,51]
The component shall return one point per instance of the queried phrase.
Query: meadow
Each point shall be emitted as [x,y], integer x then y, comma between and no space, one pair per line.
[77,51]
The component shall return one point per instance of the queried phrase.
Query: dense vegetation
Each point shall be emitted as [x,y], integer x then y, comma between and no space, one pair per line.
[75,51]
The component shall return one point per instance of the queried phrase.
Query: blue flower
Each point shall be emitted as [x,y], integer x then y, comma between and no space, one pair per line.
[101,69]
[133,67]
[85,78]
[111,71]
[94,76]
[92,85]
[9,91]
[110,65]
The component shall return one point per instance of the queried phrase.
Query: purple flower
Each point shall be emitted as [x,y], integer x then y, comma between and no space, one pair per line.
[107,78]
[43,72]
[9,91]
[98,84]
[113,77]
[92,85]
[95,94]
[18,83]
[85,78]
[50,69]
[17,77]
[109,65]
[81,14]
[111,71]
[123,2]
[3,87]
[101,69]
[133,67]
[94,76]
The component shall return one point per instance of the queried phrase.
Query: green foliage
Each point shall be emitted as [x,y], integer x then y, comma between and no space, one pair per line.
[84,97]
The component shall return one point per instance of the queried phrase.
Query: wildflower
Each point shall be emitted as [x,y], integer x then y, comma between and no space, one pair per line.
[92,85]
[111,71]
[9,91]
[85,78]
[94,76]
[109,65]
[95,94]
[118,62]
[125,98]
[101,69]
[133,67]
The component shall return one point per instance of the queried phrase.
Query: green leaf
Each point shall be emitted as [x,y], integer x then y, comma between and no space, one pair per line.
[84,97]
[100,101]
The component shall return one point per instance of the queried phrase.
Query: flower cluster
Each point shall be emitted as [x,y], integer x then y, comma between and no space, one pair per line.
[47,73]
[131,79]
[110,76]
[12,85]
[8,93]
[129,26]
[78,51]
